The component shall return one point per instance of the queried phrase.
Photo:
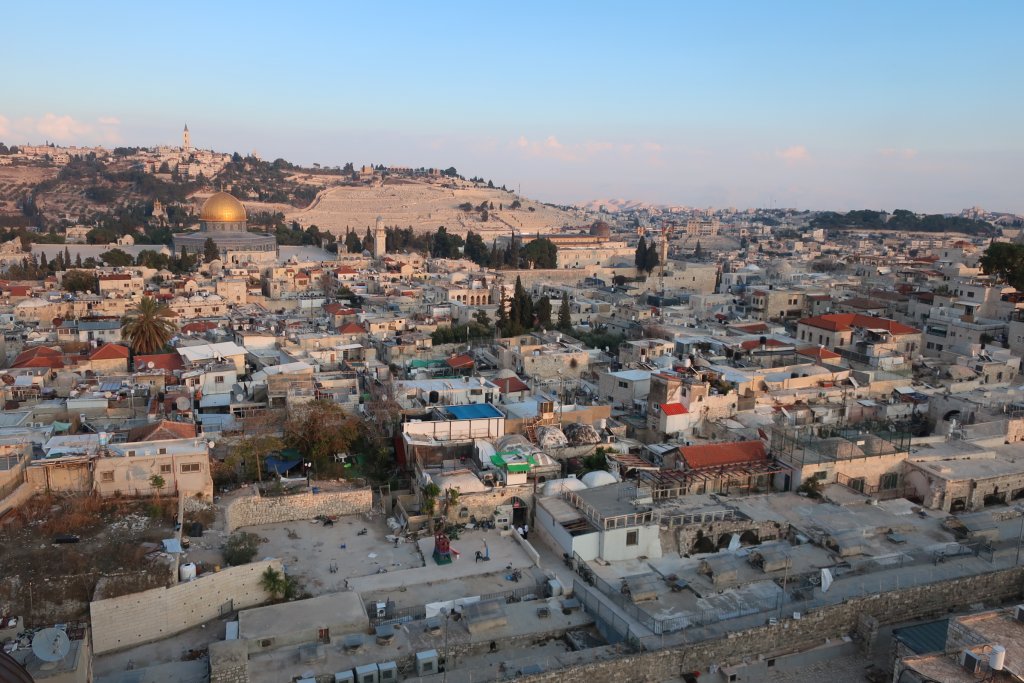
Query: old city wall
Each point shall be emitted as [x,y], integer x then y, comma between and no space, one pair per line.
[253,510]
[682,539]
[161,612]
[795,635]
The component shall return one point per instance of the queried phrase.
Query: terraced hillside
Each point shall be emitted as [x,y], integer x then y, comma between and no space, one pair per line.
[426,205]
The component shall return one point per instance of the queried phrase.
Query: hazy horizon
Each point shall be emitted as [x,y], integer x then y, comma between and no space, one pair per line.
[806,105]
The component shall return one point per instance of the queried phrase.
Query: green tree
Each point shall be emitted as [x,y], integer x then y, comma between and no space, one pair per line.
[248,453]
[542,252]
[319,430]
[79,281]
[542,310]
[640,255]
[241,548]
[352,243]
[148,328]
[564,314]
[117,257]
[210,251]
[1005,260]
[476,249]
[651,257]
[158,483]
[482,318]
[698,252]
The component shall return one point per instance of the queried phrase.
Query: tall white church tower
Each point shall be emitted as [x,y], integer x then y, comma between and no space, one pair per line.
[186,141]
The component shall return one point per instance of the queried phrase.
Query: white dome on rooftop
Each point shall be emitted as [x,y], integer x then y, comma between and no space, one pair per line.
[598,478]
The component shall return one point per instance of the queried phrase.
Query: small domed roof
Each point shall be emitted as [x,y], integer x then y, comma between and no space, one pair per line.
[598,478]
[556,486]
[222,207]
[600,229]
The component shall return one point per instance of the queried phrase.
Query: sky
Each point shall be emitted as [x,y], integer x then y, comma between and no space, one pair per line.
[813,105]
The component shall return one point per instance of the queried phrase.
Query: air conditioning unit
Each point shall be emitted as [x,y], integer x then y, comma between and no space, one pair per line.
[381,608]
[970,662]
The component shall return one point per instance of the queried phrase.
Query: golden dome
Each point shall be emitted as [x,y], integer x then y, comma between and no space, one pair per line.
[222,207]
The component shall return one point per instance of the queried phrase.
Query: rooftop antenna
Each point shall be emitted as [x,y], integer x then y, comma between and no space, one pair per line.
[51,645]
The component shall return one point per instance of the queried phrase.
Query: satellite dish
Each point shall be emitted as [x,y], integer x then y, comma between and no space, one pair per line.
[51,645]
[211,444]
[239,398]
[182,403]
[150,365]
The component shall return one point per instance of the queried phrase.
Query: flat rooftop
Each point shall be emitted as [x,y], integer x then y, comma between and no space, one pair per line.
[331,610]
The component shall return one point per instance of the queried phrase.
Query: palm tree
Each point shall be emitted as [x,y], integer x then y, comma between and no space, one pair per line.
[148,329]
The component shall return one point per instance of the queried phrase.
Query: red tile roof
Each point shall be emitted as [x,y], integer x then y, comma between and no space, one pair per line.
[722,454]
[755,343]
[109,352]
[199,327]
[352,328]
[674,409]
[165,429]
[461,362]
[818,352]
[841,322]
[511,385]
[39,357]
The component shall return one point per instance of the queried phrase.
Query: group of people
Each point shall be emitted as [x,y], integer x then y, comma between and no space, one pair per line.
[524,531]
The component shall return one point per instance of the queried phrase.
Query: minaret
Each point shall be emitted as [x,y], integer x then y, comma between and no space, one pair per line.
[380,237]
[186,141]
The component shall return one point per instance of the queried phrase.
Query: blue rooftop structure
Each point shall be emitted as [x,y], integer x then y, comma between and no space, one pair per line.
[475,411]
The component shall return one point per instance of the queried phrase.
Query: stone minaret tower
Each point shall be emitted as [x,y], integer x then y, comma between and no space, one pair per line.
[186,141]
[379,239]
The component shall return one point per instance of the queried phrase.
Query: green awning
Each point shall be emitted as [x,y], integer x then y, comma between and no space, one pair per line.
[498,460]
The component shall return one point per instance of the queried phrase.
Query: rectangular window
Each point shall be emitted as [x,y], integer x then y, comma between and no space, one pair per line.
[219,379]
[888,481]
[623,385]
[162,451]
[106,476]
[820,475]
[632,538]
[164,469]
[189,467]
[131,454]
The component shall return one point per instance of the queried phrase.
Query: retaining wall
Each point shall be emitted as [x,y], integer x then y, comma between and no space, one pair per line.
[253,510]
[161,612]
[792,635]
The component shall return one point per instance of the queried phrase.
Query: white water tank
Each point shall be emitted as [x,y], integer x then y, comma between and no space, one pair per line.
[187,572]
[997,658]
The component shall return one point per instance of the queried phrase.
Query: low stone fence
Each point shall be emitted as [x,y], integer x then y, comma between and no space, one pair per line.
[791,635]
[17,498]
[253,510]
[129,620]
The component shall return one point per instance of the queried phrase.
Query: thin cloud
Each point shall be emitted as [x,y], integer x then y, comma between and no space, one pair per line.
[797,154]
[64,129]
[553,148]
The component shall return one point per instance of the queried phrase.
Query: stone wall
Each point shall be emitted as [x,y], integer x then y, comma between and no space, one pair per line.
[17,498]
[792,635]
[681,539]
[229,662]
[254,509]
[161,612]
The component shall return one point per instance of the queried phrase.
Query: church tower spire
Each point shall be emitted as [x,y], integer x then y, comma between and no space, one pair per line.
[186,141]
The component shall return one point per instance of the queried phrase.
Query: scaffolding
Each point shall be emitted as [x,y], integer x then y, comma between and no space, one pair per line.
[799,445]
